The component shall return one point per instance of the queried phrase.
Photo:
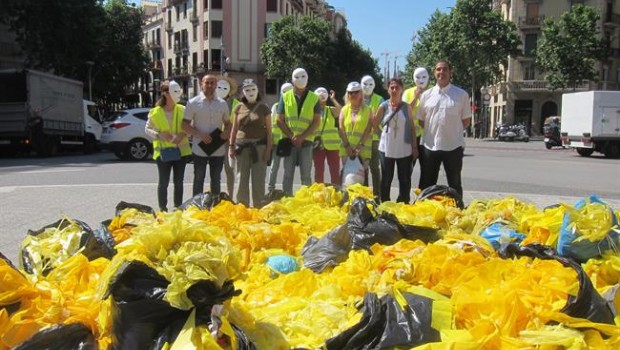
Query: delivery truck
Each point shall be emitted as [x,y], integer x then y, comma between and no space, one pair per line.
[591,122]
[45,113]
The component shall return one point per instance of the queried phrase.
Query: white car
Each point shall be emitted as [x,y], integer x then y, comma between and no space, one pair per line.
[124,134]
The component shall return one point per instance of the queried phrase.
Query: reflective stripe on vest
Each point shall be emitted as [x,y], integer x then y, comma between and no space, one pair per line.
[158,117]
[408,96]
[355,130]
[276,133]
[329,134]
[299,123]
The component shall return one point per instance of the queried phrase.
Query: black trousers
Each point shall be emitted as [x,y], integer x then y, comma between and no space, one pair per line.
[404,169]
[164,169]
[452,163]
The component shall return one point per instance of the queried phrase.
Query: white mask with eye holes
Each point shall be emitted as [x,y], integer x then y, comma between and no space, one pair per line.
[300,78]
[175,91]
[222,89]
[250,92]
[420,76]
[368,85]
[322,93]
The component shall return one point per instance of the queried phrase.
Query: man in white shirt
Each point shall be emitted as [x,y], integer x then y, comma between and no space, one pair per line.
[444,113]
[204,114]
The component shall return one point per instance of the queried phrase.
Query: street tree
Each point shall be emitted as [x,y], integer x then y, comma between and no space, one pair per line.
[473,37]
[570,47]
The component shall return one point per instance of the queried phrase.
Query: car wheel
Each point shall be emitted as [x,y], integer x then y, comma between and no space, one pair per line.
[585,152]
[548,145]
[612,150]
[138,149]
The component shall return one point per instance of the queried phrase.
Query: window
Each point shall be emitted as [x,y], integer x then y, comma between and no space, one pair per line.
[142,115]
[529,72]
[271,86]
[618,75]
[216,4]
[195,60]
[158,37]
[206,26]
[272,5]
[531,41]
[216,59]
[195,33]
[170,41]
[531,10]
[216,29]
[178,13]
[184,10]
[170,66]
[267,29]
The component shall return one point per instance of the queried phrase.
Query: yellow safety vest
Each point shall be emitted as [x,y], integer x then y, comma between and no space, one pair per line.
[375,101]
[158,117]
[355,130]
[408,96]
[233,104]
[328,131]
[276,133]
[299,123]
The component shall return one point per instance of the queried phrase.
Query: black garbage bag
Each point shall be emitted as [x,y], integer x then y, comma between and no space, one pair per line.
[362,229]
[92,245]
[272,196]
[205,294]
[140,207]
[104,235]
[141,318]
[441,190]
[385,324]
[330,250]
[205,200]
[588,303]
[74,336]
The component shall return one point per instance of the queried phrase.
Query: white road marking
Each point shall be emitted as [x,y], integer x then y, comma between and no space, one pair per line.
[51,171]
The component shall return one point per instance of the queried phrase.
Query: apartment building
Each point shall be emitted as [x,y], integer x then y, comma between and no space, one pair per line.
[524,96]
[186,38]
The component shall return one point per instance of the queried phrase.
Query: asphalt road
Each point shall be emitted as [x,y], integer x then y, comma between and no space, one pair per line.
[35,192]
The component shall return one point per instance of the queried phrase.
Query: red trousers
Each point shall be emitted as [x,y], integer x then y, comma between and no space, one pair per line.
[333,161]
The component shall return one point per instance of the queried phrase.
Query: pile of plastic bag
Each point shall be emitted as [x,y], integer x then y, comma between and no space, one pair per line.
[323,269]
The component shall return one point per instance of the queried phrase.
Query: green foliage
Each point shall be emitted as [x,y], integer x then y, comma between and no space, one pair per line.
[61,36]
[306,42]
[570,47]
[472,37]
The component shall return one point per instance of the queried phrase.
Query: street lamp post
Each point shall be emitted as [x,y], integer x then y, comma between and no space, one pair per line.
[222,63]
[485,97]
[90,65]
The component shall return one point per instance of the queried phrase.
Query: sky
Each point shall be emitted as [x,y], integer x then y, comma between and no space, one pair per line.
[389,25]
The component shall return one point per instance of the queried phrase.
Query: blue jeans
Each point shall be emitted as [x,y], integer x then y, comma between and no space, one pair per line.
[404,170]
[163,170]
[215,172]
[303,157]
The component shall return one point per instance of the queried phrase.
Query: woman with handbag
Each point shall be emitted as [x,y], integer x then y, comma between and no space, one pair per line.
[250,144]
[397,143]
[356,121]
[326,139]
[170,144]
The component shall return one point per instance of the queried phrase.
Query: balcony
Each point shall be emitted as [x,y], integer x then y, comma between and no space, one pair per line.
[181,47]
[169,27]
[180,73]
[543,85]
[155,65]
[153,44]
[174,2]
[612,19]
[530,22]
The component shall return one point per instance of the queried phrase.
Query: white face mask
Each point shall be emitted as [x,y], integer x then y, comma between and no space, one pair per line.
[420,76]
[222,89]
[368,85]
[250,93]
[322,93]
[300,78]
[174,89]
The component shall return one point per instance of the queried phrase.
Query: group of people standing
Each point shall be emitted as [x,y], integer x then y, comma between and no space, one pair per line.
[302,130]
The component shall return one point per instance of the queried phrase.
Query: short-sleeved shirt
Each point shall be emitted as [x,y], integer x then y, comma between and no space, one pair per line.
[254,128]
[443,110]
[206,115]
[300,101]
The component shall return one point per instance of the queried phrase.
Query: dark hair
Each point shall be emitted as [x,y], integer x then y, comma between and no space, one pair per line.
[397,81]
[443,61]
[164,87]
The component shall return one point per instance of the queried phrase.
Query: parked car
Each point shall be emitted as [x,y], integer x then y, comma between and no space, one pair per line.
[124,134]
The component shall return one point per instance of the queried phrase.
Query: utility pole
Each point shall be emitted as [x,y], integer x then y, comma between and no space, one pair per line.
[386,69]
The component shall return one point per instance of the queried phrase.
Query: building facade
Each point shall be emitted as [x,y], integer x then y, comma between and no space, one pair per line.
[186,38]
[524,96]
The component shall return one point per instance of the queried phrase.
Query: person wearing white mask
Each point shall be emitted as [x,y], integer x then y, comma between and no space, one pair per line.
[226,89]
[299,114]
[164,126]
[326,139]
[412,97]
[250,144]
[276,136]
[373,100]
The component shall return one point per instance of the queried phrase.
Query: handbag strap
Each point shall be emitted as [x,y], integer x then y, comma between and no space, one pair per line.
[247,118]
[387,119]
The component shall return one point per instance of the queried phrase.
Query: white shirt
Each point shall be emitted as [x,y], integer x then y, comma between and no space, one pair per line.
[443,110]
[206,115]
[392,141]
